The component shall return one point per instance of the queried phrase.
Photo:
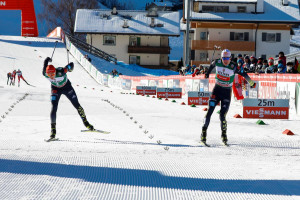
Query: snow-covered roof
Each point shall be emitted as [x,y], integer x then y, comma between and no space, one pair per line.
[102,21]
[166,3]
[274,12]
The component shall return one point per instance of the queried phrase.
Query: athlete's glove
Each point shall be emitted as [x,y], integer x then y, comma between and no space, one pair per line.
[206,75]
[253,86]
[70,66]
[48,59]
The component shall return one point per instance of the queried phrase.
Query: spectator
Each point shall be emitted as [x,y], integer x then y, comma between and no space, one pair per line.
[271,67]
[246,64]
[281,68]
[253,63]
[114,73]
[87,57]
[240,56]
[264,66]
[205,70]
[290,68]
[282,58]
[240,64]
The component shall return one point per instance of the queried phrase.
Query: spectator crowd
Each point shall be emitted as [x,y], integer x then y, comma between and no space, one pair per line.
[251,64]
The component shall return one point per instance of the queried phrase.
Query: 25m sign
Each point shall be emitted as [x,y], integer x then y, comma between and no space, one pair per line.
[169,92]
[266,108]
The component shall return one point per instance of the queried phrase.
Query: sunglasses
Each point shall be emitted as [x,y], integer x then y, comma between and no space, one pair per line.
[226,58]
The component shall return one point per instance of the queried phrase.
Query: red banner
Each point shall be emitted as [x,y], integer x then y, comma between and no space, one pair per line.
[28,24]
[266,112]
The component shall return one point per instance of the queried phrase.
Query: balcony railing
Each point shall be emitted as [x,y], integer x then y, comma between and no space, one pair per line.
[231,45]
[149,49]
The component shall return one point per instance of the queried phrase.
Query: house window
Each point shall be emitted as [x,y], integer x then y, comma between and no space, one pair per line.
[239,36]
[241,9]
[203,36]
[136,60]
[134,41]
[109,40]
[215,8]
[271,37]
[208,9]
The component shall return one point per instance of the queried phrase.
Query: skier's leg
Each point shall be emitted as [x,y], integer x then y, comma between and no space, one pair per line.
[71,95]
[225,104]
[55,96]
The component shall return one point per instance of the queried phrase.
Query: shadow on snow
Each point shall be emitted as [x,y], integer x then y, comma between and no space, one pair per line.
[148,178]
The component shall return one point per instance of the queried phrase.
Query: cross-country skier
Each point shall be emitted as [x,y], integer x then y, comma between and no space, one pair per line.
[61,85]
[13,75]
[20,76]
[225,72]
[9,77]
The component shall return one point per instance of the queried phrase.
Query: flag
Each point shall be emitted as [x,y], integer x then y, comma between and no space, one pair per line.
[297,65]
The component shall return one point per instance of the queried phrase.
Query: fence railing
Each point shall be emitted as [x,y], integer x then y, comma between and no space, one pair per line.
[91,49]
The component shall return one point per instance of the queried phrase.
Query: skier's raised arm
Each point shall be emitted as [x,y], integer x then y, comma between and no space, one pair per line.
[47,60]
[211,67]
[69,67]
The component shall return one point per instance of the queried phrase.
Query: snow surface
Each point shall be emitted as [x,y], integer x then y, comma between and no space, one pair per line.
[261,162]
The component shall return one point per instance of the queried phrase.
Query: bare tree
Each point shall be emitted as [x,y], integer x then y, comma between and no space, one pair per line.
[63,12]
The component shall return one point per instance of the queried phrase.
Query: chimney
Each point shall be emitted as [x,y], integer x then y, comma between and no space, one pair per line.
[152,22]
[125,25]
[114,11]
[285,2]
[260,6]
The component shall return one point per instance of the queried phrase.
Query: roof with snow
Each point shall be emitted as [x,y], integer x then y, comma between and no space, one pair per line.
[274,12]
[102,21]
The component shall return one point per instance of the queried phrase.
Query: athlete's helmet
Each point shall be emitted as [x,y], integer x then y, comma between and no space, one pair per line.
[50,70]
[226,53]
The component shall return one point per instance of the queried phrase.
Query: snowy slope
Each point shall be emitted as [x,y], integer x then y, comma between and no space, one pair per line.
[261,163]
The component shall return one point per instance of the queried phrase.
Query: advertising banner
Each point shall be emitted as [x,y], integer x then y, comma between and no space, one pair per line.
[146,90]
[266,108]
[169,92]
[198,98]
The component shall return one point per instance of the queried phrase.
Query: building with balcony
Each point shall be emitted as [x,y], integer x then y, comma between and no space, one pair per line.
[134,37]
[261,28]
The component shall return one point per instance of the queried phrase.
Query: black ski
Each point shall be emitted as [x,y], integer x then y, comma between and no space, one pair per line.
[51,139]
[96,131]
[225,144]
[204,143]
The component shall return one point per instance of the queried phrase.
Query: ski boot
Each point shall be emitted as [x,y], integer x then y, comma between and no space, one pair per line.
[53,130]
[88,125]
[224,138]
[203,136]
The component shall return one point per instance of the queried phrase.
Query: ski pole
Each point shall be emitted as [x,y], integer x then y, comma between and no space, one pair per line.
[68,55]
[54,49]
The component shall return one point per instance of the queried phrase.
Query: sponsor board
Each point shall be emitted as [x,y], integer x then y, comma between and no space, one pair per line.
[169,92]
[198,98]
[146,90]
[266,108]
